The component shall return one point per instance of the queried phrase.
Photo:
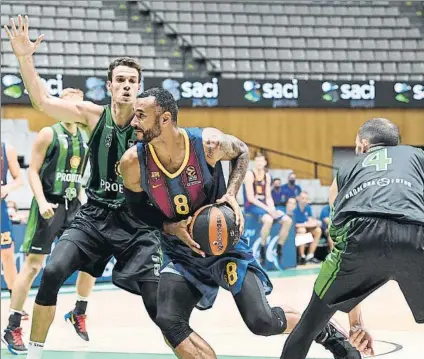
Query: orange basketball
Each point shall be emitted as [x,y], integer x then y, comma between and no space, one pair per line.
[214,228]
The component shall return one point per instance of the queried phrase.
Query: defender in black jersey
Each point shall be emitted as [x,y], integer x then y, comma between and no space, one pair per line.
[377,225]
[105,226]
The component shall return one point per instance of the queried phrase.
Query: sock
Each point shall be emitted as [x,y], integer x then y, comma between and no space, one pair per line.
[14,319]
[35,350]
[80,305]
[309,256]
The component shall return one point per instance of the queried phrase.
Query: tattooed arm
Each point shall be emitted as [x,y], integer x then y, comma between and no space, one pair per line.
[219,146]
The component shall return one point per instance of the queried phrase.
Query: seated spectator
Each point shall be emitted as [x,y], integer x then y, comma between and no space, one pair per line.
[290,189]
[325,220]
[258,201]
[291,205]
[305,223]
[277,196]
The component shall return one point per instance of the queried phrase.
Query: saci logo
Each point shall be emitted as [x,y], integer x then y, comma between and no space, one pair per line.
[201,93]
[404,91]
[54,86]
[15,87]
[11,82]
[360,95]
[282,94]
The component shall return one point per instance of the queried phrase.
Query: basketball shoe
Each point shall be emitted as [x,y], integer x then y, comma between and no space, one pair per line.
[78,321]
[335,340]
[13,339]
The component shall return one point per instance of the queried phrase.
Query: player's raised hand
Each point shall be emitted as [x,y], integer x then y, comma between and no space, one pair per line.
[47,209]
[19,37]
[232,201]
[180,229]
[362,340]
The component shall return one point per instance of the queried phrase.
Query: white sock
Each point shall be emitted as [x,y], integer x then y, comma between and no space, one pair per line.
[13,311]
[309,256]
[82,299]
[35,350]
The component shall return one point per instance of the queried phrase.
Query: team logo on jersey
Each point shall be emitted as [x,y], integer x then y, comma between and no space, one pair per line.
[118,168]
[192,177]
[108,140]
[75,161]
[155,175]
[131,143]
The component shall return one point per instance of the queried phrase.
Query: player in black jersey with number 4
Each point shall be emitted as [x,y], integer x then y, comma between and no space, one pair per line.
[104,226]
[377,226]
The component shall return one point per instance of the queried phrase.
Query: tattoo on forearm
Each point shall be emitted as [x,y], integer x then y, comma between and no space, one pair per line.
[238,151]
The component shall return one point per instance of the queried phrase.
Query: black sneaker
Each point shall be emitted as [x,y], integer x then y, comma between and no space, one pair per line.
[335,340]
[78,321]
[13,339]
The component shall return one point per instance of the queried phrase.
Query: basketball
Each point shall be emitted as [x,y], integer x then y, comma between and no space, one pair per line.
[214,228]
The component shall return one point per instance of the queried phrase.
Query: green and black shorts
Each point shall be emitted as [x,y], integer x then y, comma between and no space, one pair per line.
[40,233]
[368,252]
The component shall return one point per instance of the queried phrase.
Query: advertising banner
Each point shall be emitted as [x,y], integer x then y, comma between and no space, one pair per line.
[221,92]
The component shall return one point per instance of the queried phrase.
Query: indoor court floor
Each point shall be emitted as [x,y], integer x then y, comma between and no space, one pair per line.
[119,327]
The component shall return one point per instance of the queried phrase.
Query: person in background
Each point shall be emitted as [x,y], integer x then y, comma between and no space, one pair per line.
[305,223]
[9,163]
[277,196]
[325,220]
[290,189]
[259,202]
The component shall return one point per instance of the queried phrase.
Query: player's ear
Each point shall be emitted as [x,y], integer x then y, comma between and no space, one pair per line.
[109,86]
[166,118]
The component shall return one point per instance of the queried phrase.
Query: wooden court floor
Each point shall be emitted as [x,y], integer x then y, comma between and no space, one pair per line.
[119,327]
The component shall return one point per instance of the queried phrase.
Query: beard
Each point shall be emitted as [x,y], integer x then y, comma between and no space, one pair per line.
[152,133]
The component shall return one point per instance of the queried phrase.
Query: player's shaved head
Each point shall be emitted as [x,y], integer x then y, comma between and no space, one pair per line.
[379,131]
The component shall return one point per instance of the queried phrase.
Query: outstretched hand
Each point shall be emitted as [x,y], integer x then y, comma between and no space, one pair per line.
[19,38]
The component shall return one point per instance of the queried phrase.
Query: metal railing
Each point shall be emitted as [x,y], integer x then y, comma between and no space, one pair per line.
[316,164]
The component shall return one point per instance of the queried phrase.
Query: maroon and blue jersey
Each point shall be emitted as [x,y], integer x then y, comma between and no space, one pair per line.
[195,184]
[179,195]
[259,189]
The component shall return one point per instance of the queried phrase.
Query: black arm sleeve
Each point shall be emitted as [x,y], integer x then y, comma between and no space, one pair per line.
[140,206]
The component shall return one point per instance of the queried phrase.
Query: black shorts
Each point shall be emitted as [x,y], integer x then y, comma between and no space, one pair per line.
[368,253]
[104,232]
[40,233]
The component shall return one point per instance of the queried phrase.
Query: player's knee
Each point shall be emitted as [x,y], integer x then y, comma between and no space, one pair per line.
[268,324]
[267,220]
[317,231]
[51,281]
[33,265]
[173,327]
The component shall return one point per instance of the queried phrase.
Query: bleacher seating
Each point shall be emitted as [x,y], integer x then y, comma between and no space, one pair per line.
[306,39]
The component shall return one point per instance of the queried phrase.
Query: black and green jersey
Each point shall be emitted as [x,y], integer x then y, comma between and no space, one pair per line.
[385,182]
[63,167]
[107,144]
